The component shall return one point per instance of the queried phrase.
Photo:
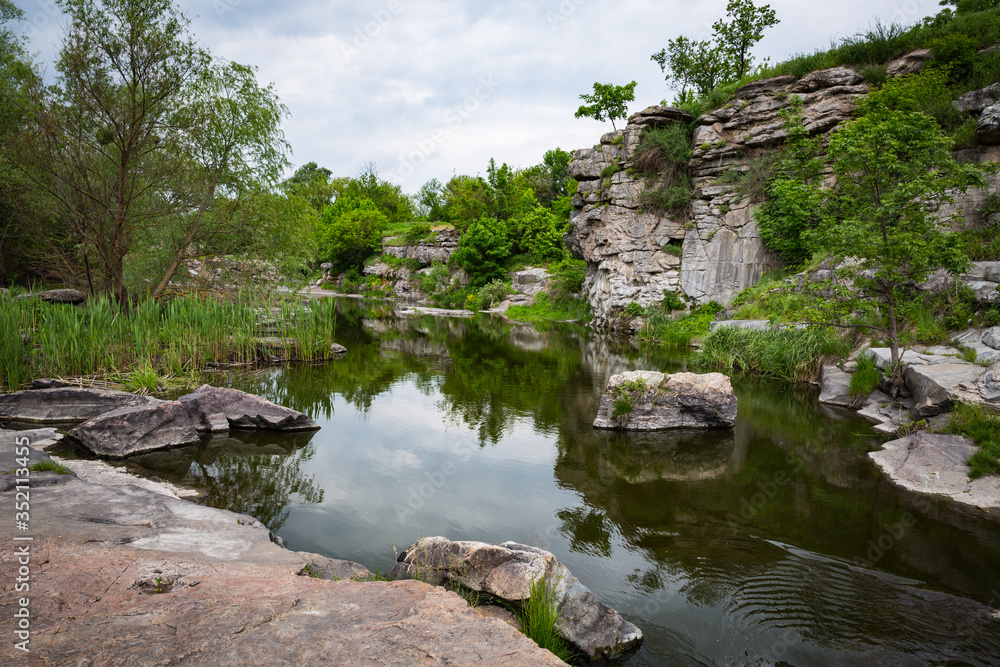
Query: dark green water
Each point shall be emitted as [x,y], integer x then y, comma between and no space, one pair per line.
[776,543]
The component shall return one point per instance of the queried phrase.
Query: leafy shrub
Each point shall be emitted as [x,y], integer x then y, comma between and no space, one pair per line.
[538,235]
[483,250]
[351,231]
[875,75]
[437,277]
[675,249]
[956,54]
[670,199]
[672,301]
[417,232]
[633,309]
[492,293]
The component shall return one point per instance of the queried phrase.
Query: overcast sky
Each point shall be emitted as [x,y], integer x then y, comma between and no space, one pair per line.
[428,88]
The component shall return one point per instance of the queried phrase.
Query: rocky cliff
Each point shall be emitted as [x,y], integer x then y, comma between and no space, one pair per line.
[713,250]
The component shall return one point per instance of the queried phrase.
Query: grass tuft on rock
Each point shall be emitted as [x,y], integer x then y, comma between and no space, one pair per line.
[983,427]
[48,465]
[539,615]
[866,378]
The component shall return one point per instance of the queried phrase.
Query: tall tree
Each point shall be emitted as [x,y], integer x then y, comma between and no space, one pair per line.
[744,28]
[144,134]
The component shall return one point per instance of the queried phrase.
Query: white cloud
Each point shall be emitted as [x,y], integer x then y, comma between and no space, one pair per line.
[373,81]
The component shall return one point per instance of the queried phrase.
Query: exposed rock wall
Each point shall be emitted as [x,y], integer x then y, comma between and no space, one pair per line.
[722,252]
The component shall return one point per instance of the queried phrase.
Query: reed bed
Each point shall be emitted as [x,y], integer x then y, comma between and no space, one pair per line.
[795,355]
[101,339]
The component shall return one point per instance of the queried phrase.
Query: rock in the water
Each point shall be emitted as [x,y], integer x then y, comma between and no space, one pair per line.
[66,404]
[991,337]
[936,386]
[885,413]
[988,128]
[936,464]
[321,567]
[126,431]
[836,387]
[218,409]
[651,401]
[989,384]
[508,572]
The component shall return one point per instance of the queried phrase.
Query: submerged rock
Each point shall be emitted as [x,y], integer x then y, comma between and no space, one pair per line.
[509,571]
[936,464]
[651,401]
[66,404]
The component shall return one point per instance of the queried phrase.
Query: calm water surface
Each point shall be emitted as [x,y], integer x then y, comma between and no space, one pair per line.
[774,544]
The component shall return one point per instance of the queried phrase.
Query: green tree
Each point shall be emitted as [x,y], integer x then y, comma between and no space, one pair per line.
[608,102]
[893,169]
[705,64]
[430,198]
[311,182]
[483,251]
[351,232]
[388,197]
[698,64]
[745,27]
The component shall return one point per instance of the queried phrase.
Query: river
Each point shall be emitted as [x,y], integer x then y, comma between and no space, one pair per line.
[776,543]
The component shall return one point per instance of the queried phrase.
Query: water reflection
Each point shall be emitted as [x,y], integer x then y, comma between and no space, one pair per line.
[774,543]
[251,473]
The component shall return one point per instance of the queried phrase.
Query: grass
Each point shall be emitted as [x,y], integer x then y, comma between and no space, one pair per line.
[973,421]
[665,329]
[141,345]
[793,355]
[48,465]
[866,378]
[548,308]
[662,158]
[539,615]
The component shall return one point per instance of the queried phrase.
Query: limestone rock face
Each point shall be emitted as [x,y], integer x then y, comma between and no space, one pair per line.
[936,464]
[989,384]
[977,101]
[219,409]
[427,252]
[988,128]
[835,387]
[911,63]
[659,402]
[991,337]
[66,404]
[126,431]
[936,386]
[508,571]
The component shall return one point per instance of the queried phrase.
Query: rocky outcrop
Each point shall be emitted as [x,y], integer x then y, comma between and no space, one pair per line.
[936,464]
[439,248]
[835,387]
[124,575]
[164,425]
[66,404]
[936,387]
[911,63]
[126,431]
[989,384]
[988,127]
[219,409]
[509,571]
[713,251]
[977,101]
[651,401]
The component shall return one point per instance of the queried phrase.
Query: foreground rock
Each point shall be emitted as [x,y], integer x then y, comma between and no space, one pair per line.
[219,409]
[126,431]
[937,386]
[936,464]
[66,404]
[651,401]
[508,572]
[164,425]
[835,388]
[122,575]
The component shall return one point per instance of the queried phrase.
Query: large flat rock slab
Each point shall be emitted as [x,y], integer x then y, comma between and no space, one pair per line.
[659,402]
[66,404]
[146,428]
[936,464]
[219,409]
[835,387]
[936,387]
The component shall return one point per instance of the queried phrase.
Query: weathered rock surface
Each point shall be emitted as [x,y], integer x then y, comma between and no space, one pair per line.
[219,409]
[977,101]
[835,387]
[681,400]
[531,281]
[126,431]
[911,63]
[226,594]
[333,569]
[66,404]
[936,464]
[71,296]
[991,337]
[988,127]
[936,387]
[989,384]
[885,413]
[12,458]
[508,572]
[439,249]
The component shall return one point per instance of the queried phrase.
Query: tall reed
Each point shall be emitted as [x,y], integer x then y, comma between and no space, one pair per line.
[187,334]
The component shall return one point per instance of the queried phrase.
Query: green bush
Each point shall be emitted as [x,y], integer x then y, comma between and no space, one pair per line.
[676,332]
[351,231]
[492,293]
[667,199]
[483,251]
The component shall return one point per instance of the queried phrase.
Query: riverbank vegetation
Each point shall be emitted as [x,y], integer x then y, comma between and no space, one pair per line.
[138,348]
